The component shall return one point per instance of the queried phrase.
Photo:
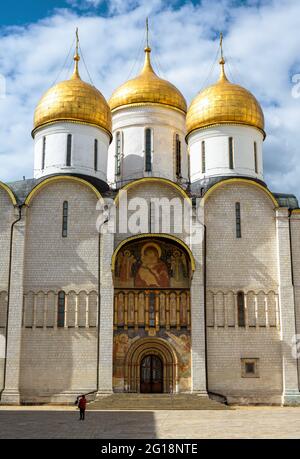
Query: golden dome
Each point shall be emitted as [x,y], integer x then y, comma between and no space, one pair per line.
[147,88]
[73,100]
[224,103]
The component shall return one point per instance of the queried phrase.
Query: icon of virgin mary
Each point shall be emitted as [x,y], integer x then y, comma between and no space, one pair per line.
[152,272]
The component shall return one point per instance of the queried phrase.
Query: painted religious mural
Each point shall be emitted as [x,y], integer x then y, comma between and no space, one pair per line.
[152,302]
[152,264]
[180,343]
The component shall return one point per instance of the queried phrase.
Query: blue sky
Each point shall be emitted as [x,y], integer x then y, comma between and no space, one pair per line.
[33,10]
[261,46]
[27,10]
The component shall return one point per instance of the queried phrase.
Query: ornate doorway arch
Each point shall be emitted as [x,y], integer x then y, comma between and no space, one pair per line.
[152,311]
[151,347]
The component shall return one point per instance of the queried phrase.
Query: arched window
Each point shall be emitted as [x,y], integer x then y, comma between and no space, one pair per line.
[241,309]
[69,150]
[44,153]
[96,155]
[238,220]
[118,153]
[255,158]
[61,309]
[178,156]
[203,159]
[230,146]
[65,219]
[148,150]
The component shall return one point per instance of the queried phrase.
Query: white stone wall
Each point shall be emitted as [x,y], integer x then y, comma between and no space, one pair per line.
[250,265]
[295,259]
[7,216]
[168,199]
[56,364]
[295,240]
[82,161]
[248,262]
[165,124]
[217,152]
[226,348]
[52,261]
[59,363]
[261,308]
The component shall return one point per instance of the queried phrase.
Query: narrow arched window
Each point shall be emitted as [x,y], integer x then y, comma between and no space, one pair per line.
[203,159]
[61,309]
[178,156]
[118,153]
[69,150]
[230,147]
[44,153]
[241,309]
[96,154]
[65,219]
[255,158]
[238,220]
[148,150]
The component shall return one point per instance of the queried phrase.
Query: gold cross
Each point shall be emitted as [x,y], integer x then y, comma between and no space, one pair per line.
[221,44]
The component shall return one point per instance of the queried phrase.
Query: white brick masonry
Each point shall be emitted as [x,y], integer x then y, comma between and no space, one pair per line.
[198,311]
[11,393]
[291,393]
[106,315]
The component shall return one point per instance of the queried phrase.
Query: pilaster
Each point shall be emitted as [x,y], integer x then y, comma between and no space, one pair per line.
[198,331]
[291,394]
[105,327]
[11,392]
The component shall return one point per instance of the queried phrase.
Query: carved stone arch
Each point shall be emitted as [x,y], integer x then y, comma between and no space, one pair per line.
[151,346]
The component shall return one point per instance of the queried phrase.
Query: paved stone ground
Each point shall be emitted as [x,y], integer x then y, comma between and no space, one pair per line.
[51,422]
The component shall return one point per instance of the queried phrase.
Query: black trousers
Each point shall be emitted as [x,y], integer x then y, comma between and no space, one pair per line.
[82,414]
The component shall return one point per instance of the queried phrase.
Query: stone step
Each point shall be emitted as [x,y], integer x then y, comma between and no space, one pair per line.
[155,402]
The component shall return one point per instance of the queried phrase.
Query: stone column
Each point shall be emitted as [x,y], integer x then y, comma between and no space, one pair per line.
[11,392]
[295,242]
[291,393]
[105,327]
[197,311]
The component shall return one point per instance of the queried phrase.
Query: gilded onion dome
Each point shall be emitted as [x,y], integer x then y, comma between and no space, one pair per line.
[147,88]
[73,100]
[224,103]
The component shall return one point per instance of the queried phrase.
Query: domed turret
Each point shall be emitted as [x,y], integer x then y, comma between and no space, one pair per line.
[147,88]
[72,129]
[225,132]
[148,129]
[73,100]
[224,103]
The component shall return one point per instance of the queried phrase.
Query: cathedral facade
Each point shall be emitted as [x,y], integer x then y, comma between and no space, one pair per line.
[147,254]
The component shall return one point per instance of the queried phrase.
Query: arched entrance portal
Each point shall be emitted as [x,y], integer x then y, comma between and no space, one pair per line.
[152,317]
[151,372]
[151,366]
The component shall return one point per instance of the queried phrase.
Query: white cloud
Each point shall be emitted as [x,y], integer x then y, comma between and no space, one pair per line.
[261,44]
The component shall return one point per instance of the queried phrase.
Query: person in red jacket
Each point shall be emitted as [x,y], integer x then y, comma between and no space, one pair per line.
[82,407]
